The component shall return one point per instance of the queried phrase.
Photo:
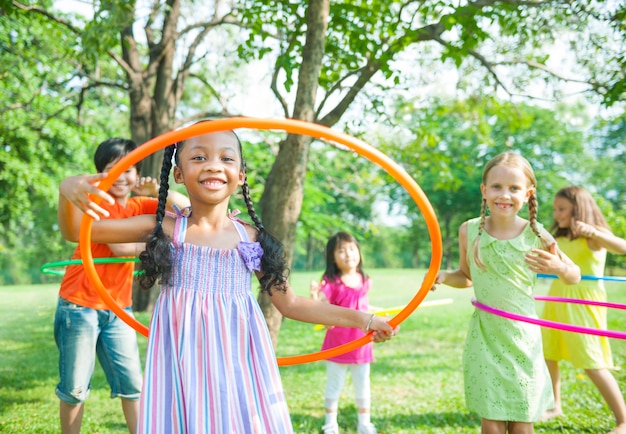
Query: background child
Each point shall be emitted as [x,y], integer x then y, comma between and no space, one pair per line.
[582,232]
[210,362]
[506,380]
[84,327]
[344,283]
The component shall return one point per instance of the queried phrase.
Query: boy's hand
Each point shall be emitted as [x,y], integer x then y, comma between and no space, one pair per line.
[147,186]
[76,189]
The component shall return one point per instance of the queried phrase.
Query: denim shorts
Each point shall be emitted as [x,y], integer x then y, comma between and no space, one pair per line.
[82,333]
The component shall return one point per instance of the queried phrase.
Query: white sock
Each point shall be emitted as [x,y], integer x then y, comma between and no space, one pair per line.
[330,418]
[364,418]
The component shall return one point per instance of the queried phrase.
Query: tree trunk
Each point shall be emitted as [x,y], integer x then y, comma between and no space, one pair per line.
[152,102]
[280,209]
[309,252]
[281,202]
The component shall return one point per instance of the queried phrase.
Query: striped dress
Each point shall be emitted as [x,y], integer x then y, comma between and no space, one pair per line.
[210,364]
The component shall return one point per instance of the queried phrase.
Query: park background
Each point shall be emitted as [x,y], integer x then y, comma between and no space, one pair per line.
[439,86]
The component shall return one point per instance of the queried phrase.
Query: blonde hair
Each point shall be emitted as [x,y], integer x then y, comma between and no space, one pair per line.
[515,161]
[585,209]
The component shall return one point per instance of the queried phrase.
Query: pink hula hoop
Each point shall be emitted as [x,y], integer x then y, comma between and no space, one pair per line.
[554,324]
[579,301]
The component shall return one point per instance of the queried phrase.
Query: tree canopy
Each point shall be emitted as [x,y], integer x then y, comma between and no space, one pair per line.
[367,67]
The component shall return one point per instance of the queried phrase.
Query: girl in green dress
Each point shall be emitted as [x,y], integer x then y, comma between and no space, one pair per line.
[506,380]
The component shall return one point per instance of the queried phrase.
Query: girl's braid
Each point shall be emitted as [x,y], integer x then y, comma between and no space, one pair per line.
[481,228]
[483,216]
[245,189]
[165,183]
[273,263]
[532,214]
[546,240]
[156,260]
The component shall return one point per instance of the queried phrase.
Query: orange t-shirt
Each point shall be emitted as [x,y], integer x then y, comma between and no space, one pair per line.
[118,277]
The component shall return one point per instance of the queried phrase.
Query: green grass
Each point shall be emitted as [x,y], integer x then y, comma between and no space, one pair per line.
[417,383]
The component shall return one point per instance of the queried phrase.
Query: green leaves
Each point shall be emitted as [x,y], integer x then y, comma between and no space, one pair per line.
[41,138]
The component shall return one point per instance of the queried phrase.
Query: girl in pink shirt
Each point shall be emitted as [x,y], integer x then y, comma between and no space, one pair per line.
[345,284]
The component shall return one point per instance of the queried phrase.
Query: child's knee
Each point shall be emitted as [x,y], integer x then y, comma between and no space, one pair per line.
[76,396]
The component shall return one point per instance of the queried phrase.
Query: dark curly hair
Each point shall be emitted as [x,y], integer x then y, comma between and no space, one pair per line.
[156,260]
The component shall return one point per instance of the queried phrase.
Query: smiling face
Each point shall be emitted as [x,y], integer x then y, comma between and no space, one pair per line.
[563,212]
[506,189]
[123,185]
[347,256]
[210,166]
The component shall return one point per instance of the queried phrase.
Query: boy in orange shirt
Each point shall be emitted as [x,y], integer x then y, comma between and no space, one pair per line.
[84,327]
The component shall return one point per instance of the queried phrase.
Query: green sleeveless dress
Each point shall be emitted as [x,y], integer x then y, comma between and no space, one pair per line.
[505,374]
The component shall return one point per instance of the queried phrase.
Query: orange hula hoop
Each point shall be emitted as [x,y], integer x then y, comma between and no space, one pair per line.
[291,126]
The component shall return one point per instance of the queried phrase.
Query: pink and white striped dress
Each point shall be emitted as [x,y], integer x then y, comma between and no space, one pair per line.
[210,364]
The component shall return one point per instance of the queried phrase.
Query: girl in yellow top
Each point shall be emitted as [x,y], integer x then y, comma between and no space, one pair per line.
[584,236]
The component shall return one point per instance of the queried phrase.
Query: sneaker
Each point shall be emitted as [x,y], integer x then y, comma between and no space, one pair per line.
[331,428]
[366,428]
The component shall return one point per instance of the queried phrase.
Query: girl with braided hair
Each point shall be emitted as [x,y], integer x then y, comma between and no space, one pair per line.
[506,380]
[210,363]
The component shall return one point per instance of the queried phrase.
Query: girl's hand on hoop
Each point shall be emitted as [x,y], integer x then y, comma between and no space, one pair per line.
[441,277]
[382,330]
[77,190]
[378,336]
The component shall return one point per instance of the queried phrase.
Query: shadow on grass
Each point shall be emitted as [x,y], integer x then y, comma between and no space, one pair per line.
[567,427]
[28,354]
[388,424]
[433,420]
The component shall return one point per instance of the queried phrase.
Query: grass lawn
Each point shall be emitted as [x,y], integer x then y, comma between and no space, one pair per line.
[417,382]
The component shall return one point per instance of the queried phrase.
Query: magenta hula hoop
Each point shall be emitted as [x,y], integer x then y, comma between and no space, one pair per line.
[553,324]
[579,301]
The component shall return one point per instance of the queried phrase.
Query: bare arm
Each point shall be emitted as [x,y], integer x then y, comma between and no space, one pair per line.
[127,230]
[553,261]
[134,249]
[601,238]
[74,199]
[178,199]
[147,186]
[460,278]
[127,249]
[318,312]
